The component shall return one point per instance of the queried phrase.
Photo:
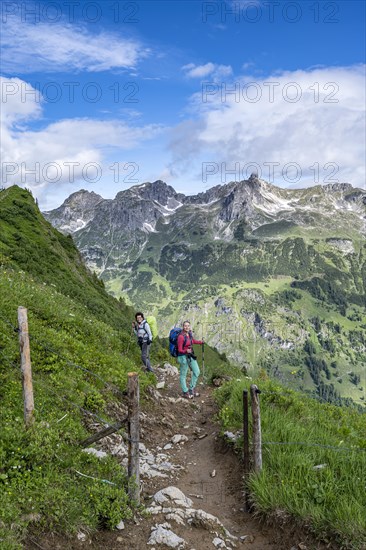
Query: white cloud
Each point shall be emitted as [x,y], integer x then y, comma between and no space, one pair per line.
[209,69]
[60,152]
[325,126]
[15,101]
[247,65]
[198,71]
[55,47]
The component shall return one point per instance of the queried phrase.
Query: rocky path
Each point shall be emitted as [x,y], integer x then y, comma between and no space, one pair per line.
[191,483]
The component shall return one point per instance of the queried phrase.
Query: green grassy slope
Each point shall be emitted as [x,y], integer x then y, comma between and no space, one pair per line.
[80,339]
[314,461]
[28,242]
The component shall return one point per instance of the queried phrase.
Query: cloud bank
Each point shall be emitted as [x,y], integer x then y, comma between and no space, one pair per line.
[64,151]
[58,47]
[312,119]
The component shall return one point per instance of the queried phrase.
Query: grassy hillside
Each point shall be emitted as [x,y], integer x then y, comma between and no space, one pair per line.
[29,243]
[80,345]
[314,461]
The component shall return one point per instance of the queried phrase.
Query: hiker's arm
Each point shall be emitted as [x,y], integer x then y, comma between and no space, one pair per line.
[180,344]
[197,341]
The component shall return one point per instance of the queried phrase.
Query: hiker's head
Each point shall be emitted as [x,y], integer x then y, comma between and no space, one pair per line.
[139,317]
[186,326]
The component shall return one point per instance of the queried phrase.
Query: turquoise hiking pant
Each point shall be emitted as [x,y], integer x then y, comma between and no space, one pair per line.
[185,364]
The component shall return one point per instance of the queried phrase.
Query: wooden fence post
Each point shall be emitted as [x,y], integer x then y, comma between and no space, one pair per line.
[26,367]
[245,446]
[133,396]
[257,436]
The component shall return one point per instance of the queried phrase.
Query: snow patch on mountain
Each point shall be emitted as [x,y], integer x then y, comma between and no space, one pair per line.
[272,203]
[345,245]
[173,204]
[73,226]
[148,228]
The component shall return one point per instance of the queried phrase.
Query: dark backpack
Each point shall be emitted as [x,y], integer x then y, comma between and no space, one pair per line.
[173,340]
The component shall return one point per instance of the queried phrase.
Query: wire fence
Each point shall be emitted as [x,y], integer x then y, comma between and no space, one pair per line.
[319,398]
[42,384]
[11,363]
[53,351]
[70,402]
[252,453]
[318,445]
[131,419]
[46,386]
[15,328]
[67,361]
[288,394]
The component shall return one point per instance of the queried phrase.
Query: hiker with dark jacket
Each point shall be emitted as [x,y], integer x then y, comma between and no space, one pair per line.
[187,359]
[144,338]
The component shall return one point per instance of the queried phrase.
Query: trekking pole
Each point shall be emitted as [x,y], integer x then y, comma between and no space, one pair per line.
[203,361]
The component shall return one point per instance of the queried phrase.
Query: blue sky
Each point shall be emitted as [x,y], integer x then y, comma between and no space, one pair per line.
[104,95]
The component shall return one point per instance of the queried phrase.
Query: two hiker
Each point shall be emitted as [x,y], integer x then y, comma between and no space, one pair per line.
[181,346]
[144,338]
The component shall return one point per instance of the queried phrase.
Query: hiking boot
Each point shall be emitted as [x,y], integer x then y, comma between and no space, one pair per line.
[187,395]
[194,393]
[147,369]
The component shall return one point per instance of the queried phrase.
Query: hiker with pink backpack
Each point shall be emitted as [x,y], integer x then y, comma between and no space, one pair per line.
[181,346]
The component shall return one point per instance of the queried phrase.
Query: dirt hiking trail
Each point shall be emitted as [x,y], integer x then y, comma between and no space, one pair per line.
[203,467]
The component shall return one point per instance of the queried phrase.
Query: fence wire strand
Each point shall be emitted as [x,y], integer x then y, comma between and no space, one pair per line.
[9,361]
[306,444]
[15,328]
[108,385]
[46,387]
[69,401]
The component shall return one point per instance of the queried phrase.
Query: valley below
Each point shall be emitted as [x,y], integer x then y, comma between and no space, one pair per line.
[274,279]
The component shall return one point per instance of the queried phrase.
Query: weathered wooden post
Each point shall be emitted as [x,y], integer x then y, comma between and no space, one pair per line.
[26,367]
[257,436]
[133,396]
[246,446]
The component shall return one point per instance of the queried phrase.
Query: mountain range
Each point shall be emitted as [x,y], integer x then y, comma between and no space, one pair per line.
[265,273]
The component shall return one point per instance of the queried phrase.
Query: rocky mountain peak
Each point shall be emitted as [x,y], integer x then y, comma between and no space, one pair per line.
[240,199]
[82,197]
[253,178]
[75,212]
[157,191]
[337,187]
[253,201]
[229,191]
